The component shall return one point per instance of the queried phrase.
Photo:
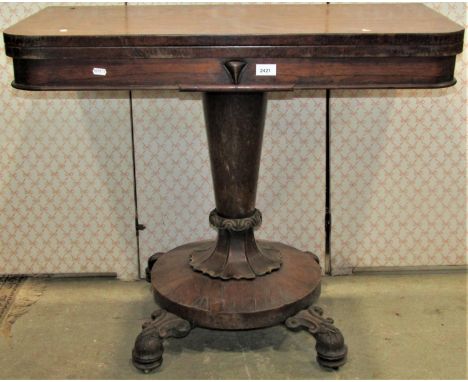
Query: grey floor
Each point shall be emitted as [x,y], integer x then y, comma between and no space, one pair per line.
[397,327]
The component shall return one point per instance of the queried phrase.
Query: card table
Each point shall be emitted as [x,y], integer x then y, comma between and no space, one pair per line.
[235,54]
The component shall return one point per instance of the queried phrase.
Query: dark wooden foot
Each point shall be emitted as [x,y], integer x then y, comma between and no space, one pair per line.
[151,261]
[148,350]
[330,346]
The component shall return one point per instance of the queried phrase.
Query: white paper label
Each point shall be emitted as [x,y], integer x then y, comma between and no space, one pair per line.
[265,69]
[99,71]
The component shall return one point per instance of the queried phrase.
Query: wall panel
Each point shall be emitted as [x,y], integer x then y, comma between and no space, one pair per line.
[399,172]
[66,189]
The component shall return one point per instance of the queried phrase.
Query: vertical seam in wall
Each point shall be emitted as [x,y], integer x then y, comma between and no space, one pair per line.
[135,193]
[135,190]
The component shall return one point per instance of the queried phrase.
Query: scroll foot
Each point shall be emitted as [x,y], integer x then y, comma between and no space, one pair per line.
[148,350]
[330,346]
[151,261]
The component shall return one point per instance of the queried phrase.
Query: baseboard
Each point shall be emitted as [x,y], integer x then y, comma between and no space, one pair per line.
[400,270]
[65,275]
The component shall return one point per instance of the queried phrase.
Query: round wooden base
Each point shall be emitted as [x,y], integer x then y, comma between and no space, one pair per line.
[236,304]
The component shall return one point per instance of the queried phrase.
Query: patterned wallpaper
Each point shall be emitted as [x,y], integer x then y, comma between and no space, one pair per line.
[66,189]
[399,172]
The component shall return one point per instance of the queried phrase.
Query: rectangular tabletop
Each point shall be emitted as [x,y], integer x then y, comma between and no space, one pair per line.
[187,46]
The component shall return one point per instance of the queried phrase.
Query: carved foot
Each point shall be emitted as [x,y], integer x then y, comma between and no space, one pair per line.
[148,350]
[151,261]
[330,346]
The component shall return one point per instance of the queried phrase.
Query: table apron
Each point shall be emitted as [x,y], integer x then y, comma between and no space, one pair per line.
[206,74]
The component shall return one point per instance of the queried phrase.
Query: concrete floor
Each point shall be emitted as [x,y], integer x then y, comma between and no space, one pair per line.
[399,327]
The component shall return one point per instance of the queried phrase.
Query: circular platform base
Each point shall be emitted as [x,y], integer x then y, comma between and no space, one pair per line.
[236,304]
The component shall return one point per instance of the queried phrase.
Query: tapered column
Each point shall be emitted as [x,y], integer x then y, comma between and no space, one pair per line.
[234,123]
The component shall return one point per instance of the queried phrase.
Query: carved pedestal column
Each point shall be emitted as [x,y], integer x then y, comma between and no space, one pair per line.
[234,123]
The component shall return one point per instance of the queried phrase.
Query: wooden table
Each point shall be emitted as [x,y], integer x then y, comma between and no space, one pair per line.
[235,54]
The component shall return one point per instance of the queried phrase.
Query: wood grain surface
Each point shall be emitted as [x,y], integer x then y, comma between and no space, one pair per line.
[236,304]
[234,20]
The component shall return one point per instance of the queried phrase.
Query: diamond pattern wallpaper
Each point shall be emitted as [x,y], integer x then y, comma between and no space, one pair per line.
[399,172]
[66,187]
